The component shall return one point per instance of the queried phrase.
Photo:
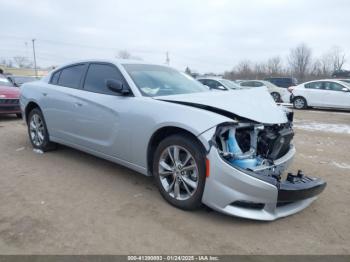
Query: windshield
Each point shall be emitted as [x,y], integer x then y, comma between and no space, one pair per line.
[230,84]
[5,82]
[154,80]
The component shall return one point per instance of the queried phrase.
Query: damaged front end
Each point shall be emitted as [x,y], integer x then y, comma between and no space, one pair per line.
[252,175]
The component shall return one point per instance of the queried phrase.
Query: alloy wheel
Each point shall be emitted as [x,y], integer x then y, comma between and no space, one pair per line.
[37,130]
[299,103]
[178,172]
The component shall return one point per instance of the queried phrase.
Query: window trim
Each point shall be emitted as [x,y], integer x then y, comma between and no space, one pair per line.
[80,86]
[131,94]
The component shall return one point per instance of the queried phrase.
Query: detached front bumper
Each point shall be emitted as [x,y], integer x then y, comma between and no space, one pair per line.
[255,195]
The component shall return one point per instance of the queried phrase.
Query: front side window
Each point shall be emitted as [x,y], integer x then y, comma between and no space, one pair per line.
[71,76]
[154,80]
[98,74]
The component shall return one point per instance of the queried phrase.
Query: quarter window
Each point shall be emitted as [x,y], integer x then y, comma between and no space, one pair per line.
[55,77]
[71,76]
[97,76]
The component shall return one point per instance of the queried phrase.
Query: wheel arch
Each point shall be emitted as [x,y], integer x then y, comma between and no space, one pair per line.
[29,107]
[161,134]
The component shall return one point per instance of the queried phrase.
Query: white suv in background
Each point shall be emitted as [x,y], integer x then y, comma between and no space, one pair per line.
[279,94]
[322,93]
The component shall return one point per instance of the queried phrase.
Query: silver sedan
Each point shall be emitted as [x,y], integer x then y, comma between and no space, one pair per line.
[228,150]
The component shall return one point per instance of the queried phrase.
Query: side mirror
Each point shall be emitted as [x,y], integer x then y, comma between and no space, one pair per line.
[344,89]
[117,86]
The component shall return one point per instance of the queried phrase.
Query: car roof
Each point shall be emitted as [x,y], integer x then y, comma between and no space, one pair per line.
[325,80]
[112,61]
[209,78]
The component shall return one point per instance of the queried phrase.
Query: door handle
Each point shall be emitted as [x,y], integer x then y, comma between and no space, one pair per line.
[78,104]
[44,94]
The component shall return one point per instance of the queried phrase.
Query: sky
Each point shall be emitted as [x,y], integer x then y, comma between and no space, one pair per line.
[205,35]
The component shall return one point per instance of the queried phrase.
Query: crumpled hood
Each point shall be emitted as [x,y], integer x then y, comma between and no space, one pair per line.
[255,104]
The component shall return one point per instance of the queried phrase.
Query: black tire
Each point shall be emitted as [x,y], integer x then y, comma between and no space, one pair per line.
[276,96]
[198,154]
[46,144]
[299,102]
[19,115]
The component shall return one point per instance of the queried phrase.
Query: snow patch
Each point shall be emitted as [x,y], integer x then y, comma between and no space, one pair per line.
[323,127]
[341,165]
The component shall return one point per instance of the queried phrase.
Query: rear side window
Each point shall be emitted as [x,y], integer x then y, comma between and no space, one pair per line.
[97,76]
[333,86]
[71,76]
[257,84]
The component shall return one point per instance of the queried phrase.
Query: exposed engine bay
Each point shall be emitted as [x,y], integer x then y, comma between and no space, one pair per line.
[254,146]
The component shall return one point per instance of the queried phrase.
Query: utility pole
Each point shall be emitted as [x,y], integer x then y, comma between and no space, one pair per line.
[167,59]
[36,70]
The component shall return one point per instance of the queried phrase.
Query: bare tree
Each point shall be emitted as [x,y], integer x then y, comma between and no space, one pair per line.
[22,62]
[244,70]
[299,60]
[337,57]
[274,66]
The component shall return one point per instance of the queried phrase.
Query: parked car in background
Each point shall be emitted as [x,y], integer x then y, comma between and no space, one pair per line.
[222,149]
[20,80]
[344,80]
[341,74]
[283,82]
[9,98]
[279,94]
[322,93]
[218,83]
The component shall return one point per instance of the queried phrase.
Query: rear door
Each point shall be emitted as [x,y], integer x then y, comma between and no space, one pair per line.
[335,96]
[60,101]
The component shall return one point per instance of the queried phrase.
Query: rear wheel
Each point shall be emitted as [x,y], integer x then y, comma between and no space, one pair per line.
[276,96]
[179,171]
[37,130]
[299,102]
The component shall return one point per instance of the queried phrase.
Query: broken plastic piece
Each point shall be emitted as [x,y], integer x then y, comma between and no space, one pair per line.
[38,151]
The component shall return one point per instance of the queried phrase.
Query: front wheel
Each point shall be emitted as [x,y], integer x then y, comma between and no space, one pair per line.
[299,103]
[179,171]
[37,130]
